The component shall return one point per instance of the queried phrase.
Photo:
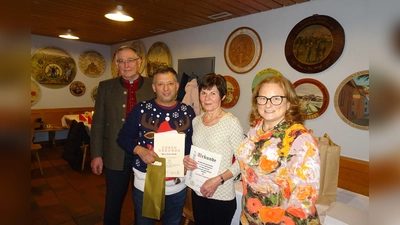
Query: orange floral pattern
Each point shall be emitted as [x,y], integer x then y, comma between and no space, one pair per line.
[280,175]
[271,214]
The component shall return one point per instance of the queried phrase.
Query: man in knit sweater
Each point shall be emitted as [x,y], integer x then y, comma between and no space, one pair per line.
[136,137]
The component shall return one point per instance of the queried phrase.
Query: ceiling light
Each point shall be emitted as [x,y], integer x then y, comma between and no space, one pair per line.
[68,35]
[119,15]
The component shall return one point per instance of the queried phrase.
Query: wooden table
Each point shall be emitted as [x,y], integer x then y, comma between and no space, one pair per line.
[51,131]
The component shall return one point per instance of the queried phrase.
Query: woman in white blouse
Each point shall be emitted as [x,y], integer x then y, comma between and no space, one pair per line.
[217,131]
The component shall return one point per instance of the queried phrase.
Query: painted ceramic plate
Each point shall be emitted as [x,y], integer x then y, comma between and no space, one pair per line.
[242,50]
[352,100]
[92,63]
[263,74]
[158,56]
[35,93]
[314,44]
[53,67]
[114,69]
[77,88]
[93,93]
[314,97]
[233,93]
[141,52]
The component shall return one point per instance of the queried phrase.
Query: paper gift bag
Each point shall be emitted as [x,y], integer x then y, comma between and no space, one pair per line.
[154,190]
[329,171]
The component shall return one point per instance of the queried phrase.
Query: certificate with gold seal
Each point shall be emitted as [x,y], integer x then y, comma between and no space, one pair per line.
[242,50]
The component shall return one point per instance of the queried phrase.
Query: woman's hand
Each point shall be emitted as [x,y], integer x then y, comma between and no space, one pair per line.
[189,163]
[210,186]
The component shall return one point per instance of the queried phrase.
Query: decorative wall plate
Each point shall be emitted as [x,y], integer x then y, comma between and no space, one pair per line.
[53,67]
[158,56]
[233,92]
[114,69]
[263,74]
[35,92]
[92,63]
[352,100]
[77,88]
[314,97]
[141,52]
[93,93]
[242,50]
[314,44]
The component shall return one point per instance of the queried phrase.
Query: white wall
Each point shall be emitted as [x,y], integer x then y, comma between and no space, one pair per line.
[273,27]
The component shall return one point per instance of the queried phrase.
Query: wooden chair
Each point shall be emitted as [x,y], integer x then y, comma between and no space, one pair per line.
[187,208]
[84,148]
[35,147]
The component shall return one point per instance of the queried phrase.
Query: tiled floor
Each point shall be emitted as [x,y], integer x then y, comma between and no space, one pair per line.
[64,196]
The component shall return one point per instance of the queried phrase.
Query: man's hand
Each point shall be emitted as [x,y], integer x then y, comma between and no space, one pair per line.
[97,165]
[147,155]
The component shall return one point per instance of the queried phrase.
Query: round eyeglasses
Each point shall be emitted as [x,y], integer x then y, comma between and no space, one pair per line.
[275,100]
[129,61]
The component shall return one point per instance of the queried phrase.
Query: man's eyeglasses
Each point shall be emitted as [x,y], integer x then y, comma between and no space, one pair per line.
[275,100]
[129,61]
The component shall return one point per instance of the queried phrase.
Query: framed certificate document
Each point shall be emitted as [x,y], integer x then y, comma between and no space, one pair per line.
[207,167]
[171,146]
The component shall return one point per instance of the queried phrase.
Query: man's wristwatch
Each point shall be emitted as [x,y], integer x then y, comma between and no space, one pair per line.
[222,179]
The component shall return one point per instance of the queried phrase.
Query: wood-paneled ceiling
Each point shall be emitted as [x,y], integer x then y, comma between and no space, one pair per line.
[86,17]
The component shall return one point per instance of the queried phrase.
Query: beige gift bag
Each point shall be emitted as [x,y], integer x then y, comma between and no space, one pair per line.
[329,171]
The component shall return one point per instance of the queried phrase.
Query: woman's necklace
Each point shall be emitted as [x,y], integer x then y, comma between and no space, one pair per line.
[209,121]
[271,128]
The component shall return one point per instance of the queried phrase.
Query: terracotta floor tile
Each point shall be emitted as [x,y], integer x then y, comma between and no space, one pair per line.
[57,218]
[81,211]
[72,200]
[57,181]
[44,195]
[89,219]
[65,189]
[40,221]
[69,222]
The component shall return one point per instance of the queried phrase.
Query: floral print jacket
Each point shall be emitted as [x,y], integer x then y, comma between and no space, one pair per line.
[280,176]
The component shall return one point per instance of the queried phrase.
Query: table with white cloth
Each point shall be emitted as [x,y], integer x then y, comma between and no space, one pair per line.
[67,119]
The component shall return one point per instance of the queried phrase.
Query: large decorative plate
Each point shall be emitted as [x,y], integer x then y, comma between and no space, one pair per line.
[158,56]
[53,67]
[233,92]
[35,92]
[314,44]
[92,63]
[352,100]
[263,74]
[77,88]
[314,97]
[141,52]
[114,69]
[242,50]
[93,93]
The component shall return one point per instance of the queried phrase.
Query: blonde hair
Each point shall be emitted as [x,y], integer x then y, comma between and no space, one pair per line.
[293,115]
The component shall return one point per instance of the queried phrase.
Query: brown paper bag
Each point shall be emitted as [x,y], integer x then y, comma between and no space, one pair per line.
[154,190]
[329,171]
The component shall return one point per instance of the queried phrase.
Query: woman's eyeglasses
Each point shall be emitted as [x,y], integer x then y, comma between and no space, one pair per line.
[275,100]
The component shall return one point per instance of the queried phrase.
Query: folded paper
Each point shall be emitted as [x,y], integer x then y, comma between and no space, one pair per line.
[81,118]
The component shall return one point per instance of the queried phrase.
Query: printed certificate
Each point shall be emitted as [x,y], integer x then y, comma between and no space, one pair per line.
[171,146]
[207,167]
